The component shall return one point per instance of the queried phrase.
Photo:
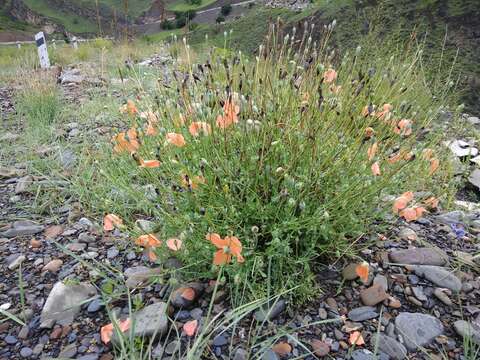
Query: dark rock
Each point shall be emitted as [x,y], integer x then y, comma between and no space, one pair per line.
[417,329]
[373,295]
[467,330]
[220,340]
[22,228]
[95,305]
[26,352]
[389,346]
[439,276]
[363,313]
[419,256]
[270,313]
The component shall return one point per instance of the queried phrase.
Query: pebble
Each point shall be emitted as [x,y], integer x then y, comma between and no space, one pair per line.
[418,293]
[322,314]
[363,354]
[240,354]
[269,355]
[23,333]
[68,352]
[439,276]
[10,340]
[86,238]
[363,313]
[53,266]
[23,184]
[76,247]
[419,256]
[320,348]
[17,262]
[466,329]
[271,313]
[26,352]
[349,272]
[185,296]
[95,305]
[22,228]
[381,280]
[442,296]
[145,225]
[407,234]
[112,253]
[417,329]
[220,340]
[373,295]
[390,346]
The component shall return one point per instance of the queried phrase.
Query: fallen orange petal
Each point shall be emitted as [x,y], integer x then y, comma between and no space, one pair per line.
[176,139]
[356,338]
[111,221]
[282,349]
[149,163]
[409,214]
[434,164]
[190,327]
[375,168]
[362,271]
[106,331]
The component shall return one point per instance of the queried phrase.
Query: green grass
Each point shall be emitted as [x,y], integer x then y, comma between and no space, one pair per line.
[183,5]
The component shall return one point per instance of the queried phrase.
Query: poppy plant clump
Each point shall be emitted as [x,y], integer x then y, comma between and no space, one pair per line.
[259,168]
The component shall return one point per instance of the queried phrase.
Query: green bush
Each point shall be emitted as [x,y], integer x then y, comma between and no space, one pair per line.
[291,175]
[226,9]
[220,19]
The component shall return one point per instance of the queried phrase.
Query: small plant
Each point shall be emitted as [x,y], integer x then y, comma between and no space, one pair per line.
[226,9]
[220,19]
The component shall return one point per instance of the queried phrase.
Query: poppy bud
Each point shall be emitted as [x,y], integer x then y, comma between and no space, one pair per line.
[255,229]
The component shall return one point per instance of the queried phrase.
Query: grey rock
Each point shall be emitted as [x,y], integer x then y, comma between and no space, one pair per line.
[389,346]
[474,178]
[439,276]
[17,260]
[71,77]
[269,355]
[240,354]
[442,296]
[363,313]
[76,247]
[95,305]
[451,217]
[270,313]
[363,354]
[151,320]
[467,330]
[112,253]
[381,280]
[419,256]
[145,225]
[23,184]
[90,356]
[462,148]
[68,158]
[64,302]
[220,340]
[417,329]
[22,228]
[172,347]
[407,234]
[349,272]
[138,275]
[10,340]
[68,351]
[85,222]
[473,120]
[26,352]
[86,238]
[418,293]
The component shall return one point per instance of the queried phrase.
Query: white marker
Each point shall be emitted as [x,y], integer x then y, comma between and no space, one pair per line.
[19,46]
[54,44]
[75,43]
[42,50]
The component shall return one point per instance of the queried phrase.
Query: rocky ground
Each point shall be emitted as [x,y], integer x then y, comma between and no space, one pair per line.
[58,269]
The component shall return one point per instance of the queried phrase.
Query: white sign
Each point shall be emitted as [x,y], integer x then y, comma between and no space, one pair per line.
[75,43]
[42,50]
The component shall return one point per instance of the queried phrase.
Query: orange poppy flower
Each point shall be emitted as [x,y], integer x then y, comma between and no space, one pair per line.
[402,201]
[362,271]
[131,108]
[176,139]
[111,221]
[412,214]
[230,116]
[151,130]
[147,241]
[434,164]
[199,127]
[376,168]
[404,127]
[126,142]
[149,163]
[372,150]
[106,332]
[228,247]
[329,76]
[174,244]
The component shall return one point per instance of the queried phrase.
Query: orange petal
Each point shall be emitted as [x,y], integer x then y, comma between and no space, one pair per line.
[362,271]
[151,255]
[282,349]
[330,76]
[106,331]
[198,127]
[408,195]
[221,258]
[216,240]
[419,211]
[375,169]
[400,203]
[151,130]
[176,139]
[190,327]
[174,244]
[234,244]
[409,214]
[356,338]
[434,164]
[148,240]
[188,294]
[111,221]
[149,163]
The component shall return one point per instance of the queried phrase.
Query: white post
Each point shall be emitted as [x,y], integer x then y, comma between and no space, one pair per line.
[42,50]
[54,44]
[19,45]
[75,43]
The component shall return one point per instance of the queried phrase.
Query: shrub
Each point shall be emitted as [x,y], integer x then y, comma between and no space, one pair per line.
[220,19]
[167,25]
[226,9]
[283,152]
[182,17]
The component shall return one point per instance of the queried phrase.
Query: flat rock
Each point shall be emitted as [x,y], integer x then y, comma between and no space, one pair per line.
[439,276]
[185,296]
[23,184]
[417,329]
[419,256]
[390,346]
[373,295]
[22,228]
[145,225]
[349,272]
[150,321]
[363,313]
[270,313]
[7,172]
[138,275]
[363,354]
[462,148]
[466,329]
[64,302]
[474,178]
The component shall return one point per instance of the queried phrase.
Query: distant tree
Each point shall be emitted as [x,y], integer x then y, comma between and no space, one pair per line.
[226,9]
[194,2]
[167,25]
[182,17]
[220,19]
